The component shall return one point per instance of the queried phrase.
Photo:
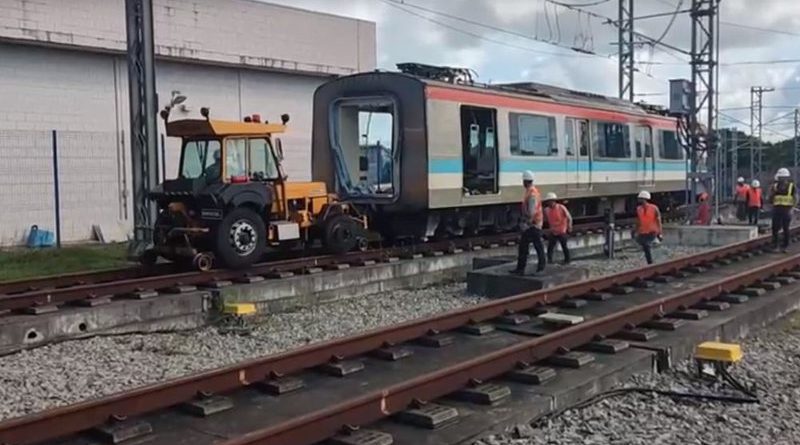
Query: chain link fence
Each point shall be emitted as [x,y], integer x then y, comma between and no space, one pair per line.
[67,182]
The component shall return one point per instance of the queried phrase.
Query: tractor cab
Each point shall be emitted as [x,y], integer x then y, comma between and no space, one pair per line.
[232,199]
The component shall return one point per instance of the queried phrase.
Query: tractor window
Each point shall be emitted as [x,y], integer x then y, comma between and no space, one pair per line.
[236,157]
[200,158]
[262,161]
[365,147]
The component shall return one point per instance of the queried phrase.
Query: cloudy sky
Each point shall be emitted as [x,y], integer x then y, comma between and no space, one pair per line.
[506,40]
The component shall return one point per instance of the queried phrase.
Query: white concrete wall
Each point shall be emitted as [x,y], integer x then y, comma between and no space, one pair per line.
[236,32]
[62,68]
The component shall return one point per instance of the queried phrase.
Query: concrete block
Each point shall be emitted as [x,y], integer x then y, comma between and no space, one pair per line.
[708,236]
[497,282]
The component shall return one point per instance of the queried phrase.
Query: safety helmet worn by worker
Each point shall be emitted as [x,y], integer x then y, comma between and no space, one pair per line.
[550,197]
[527,175]
[755,183]
[783,173]
[644,194]
[740,180]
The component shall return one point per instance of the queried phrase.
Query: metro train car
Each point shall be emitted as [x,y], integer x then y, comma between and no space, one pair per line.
[427,152]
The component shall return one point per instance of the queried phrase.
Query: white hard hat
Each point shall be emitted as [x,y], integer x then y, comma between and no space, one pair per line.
[740,179]
[644,194]
[550,197]
[527,175]
[755,183]
[783,173]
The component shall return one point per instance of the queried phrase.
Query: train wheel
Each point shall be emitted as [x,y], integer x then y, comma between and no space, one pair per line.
[240,238]
[203,262]
[340,234]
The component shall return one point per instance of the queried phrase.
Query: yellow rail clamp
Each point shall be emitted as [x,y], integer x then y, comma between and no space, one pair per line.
[714,351]
[239,308]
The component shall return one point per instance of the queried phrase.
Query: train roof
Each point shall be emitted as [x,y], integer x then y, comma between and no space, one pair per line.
[462,78]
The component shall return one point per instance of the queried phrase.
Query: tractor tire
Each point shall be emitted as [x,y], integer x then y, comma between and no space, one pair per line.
[340,234]
[240,239]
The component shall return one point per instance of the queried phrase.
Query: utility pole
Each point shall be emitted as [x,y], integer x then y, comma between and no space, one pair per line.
[703,60]
[734,158]
[796,138]
[143,104]
[756,129]
[626,46]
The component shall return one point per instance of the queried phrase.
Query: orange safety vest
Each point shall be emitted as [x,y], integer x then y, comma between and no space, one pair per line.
[558,218]
[754,197]
[532,191]
[647,215]
[741,190]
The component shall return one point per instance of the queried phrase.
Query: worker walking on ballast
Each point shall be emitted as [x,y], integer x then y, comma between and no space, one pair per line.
[531,225]
[740,199]
[648,224]
[754,202]
[783,198]
[560,222]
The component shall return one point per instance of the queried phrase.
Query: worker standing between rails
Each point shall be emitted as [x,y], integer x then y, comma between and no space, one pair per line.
[740,198]
[703,210]
[783,199]
[648,224]
[754,202]
[560,222]
[531,225]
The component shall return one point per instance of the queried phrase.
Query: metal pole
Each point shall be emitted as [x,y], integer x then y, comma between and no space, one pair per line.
[626,50]
[56,191]
[796,138]
[734,157]
[143,107]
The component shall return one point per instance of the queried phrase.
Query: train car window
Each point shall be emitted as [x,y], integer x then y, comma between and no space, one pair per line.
[613,140]
[569,135]
[479,150]
[669,146]
[532,135]
[644,140]
[584,137]
[363,141]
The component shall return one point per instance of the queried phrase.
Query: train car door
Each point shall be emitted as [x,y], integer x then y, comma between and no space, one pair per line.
[645,158]
[579,154]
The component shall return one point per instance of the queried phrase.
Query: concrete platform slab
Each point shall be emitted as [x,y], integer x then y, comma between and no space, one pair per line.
[497,282]
[708,235]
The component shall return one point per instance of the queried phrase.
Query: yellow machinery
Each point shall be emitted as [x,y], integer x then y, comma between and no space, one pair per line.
[231,200]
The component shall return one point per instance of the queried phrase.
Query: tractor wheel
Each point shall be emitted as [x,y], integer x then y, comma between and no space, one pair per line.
[340,234]
[240,239]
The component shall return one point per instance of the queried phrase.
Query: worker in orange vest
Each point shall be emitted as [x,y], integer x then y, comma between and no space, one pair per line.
[703,210]
[740,198]
[560,222]
[754,202]
[648,224]
[531,225]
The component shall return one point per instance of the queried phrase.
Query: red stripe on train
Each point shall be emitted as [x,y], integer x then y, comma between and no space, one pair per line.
[498,100]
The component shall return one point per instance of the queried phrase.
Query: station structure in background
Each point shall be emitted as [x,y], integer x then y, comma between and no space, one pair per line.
[65,75]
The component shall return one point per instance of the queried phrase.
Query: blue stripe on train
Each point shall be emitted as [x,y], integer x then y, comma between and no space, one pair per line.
[555,165]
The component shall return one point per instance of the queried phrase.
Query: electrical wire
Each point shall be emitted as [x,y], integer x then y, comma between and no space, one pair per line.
[740,25]
[404,6]
[671,22]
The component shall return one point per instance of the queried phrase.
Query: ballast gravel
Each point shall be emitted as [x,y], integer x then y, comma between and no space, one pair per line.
[73,371]
[772,364]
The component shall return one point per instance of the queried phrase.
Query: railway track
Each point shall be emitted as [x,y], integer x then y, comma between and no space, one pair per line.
[310,394]
[89,288]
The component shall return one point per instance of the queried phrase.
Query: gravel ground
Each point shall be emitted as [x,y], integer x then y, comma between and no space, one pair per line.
[68,372]
[772,362]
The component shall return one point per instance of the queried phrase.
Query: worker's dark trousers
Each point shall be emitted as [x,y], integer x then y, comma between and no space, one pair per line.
[781,217]
[741,210]
[752,215]
[646,241]
[551,247]
[533,235]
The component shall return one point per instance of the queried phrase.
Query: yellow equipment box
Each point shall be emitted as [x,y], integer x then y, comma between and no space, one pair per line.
[239,308]
[714,351]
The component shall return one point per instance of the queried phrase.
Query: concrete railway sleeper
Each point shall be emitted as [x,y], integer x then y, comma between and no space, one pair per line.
[32,295]
[310,394]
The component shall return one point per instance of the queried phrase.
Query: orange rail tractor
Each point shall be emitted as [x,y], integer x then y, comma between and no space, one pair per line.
[231,200]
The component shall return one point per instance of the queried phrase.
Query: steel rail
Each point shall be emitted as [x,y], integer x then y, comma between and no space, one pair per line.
[59,422]
[79,278]
[327,422]
[44,295]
